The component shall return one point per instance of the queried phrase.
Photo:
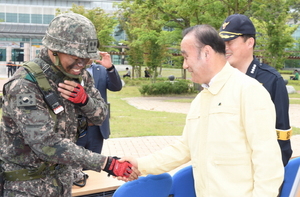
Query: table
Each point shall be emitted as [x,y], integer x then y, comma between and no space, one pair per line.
[96,183]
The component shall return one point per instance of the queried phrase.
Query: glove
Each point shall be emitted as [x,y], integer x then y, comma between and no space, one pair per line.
[79,96]
[116,168]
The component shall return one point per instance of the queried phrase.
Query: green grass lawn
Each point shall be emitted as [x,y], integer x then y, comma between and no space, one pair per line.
[128,121]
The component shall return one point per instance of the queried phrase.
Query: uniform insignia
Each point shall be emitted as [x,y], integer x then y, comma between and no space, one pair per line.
[92,45]
[26,100]
[225,25]
[253,69]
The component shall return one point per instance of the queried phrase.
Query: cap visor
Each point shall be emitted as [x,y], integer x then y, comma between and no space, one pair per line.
[227,37]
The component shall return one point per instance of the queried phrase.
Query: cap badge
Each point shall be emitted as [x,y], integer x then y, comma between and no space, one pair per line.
[225,25]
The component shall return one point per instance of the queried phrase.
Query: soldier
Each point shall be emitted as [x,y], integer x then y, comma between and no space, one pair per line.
[46,104]
[9,66]
[238,32]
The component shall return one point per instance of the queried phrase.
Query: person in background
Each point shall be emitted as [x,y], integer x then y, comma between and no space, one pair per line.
[45,105]
[106,77]
[128,73]
[238,32]
[296,76]
[10,69]
[229,132]
[147,73]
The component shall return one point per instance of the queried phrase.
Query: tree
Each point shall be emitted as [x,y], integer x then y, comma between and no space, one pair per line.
[295,51]
[144,29]
[274,30]
[145,18]
[294,10]
[127,22]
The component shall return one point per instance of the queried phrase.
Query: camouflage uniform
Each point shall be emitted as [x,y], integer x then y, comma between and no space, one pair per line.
[30,137]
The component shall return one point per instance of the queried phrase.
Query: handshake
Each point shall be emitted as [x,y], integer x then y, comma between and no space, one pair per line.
[118,168]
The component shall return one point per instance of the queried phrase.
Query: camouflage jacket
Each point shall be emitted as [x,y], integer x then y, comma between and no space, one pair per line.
[29,136]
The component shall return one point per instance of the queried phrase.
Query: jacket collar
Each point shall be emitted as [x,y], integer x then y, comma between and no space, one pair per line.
[221,79]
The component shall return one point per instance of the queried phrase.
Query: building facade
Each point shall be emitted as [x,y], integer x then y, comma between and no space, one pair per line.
[23,24]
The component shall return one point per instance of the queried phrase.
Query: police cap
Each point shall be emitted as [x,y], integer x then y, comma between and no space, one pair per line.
[236,25]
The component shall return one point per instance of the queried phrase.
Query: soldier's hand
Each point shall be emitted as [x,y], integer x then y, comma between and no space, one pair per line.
[73,92]
[116,168]
[135,171]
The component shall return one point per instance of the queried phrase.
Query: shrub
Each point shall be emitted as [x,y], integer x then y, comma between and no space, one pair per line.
[167,87]
[141,81]
[286,72]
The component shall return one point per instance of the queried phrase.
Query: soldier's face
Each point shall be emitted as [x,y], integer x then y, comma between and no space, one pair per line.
[72,64]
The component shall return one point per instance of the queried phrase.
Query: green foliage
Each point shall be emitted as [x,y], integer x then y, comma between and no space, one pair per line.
[274,37]
[295,10]
[153,27]
[294,51]
[286,72]
[167,87]
[294,83]
[157,24]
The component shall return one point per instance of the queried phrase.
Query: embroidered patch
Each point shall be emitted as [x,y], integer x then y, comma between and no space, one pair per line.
[26,100]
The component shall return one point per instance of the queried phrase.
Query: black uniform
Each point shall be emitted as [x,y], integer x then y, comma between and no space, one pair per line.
[274,83]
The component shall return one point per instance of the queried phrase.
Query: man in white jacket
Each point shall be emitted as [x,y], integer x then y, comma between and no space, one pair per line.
[229,133]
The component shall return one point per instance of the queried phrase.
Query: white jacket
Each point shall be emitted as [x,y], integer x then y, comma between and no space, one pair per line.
[230,139]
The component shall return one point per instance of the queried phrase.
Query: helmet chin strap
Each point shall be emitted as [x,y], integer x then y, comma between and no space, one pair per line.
[60,67]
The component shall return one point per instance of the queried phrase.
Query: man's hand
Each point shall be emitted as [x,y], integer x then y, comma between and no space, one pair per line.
[105,60]
[135,172]
[116,168]
[73,92]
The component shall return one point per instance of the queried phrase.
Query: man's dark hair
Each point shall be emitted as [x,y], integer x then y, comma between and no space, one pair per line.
[247,36]
[206,35]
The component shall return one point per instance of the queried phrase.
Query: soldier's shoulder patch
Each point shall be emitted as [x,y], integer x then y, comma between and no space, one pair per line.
[29,77]
[26,100]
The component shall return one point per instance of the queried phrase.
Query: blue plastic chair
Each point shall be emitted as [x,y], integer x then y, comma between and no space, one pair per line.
[183,183]
[148,186]
[291,170]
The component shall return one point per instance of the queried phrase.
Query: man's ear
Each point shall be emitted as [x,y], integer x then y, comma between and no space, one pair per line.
[206,50]
[250,42]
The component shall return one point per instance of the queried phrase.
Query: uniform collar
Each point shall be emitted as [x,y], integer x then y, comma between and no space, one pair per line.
[252,69]
[221,78]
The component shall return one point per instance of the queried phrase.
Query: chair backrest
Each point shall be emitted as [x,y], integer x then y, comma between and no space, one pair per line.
[148,186]
[183,183]
[291,178]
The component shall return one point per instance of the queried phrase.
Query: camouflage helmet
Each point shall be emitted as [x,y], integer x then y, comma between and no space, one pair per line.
[72,34]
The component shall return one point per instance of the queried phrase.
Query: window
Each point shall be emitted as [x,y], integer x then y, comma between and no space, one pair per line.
[36,18]
[24,18]
[11,17]
[2,17]
[48,19]
[2,54]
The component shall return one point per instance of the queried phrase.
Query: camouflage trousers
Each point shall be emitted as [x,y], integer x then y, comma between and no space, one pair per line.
[58,184]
